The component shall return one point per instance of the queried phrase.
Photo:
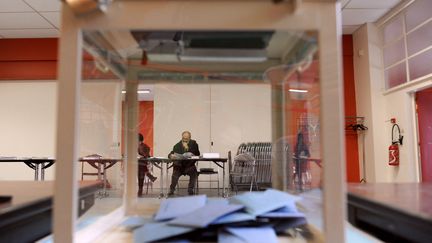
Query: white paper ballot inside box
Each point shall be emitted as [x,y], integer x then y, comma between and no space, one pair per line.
[210,155]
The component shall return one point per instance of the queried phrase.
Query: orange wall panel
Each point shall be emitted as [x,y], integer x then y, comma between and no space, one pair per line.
[145,122]
[41,49]
[28,70]
[36,59]
[351,142]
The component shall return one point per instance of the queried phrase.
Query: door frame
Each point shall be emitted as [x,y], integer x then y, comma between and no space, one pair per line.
[417,131]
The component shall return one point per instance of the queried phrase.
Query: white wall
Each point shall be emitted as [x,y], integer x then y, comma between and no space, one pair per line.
[100,124]
[28,124]
[240,113]
[227,114]
[177,108]
[379,107]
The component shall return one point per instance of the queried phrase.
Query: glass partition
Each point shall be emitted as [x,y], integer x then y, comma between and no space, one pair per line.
[233,92]
[100,133]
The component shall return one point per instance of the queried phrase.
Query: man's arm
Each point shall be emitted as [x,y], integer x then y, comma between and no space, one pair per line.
[195,150]
[176,149]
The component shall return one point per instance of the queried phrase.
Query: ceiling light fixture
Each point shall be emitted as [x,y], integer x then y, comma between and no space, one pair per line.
[221,55]
[88,6]
[298,90]
[141,91]
[221,59]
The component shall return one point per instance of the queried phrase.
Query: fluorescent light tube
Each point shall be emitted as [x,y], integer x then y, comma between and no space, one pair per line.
[142,91]
[298,90]
[221,59]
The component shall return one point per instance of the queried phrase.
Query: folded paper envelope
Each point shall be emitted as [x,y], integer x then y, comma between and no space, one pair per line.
[174,207]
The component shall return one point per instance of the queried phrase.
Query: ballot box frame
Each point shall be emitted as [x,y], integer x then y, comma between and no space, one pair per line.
[324,17]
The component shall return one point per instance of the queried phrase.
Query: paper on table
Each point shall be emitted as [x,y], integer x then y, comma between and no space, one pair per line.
[203,216]
[158,231]
[257,203]
[234,218]
[281,214]
[174,207]
[247,234]
[289,211]
[133,222]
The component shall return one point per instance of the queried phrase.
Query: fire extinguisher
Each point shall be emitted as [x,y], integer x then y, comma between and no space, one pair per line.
[394,147]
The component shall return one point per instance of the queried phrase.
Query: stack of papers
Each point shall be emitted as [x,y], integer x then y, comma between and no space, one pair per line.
[176,207]
[247,234]
[249,217]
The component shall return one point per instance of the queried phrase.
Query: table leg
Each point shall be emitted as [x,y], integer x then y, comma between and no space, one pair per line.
[99,171]
[161,194]
[36,177]
[166,184]
[223,180]
[104,180]
[42,171]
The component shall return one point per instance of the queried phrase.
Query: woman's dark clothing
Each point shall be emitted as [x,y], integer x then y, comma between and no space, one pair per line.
[144,151]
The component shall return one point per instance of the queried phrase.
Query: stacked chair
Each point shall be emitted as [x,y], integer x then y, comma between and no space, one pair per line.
[262,153]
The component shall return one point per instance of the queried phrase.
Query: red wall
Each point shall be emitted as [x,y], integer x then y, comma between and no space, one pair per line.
[36,59]
[145,120]
[351,147]
[28,59]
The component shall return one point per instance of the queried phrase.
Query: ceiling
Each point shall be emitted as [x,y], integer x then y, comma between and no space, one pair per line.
[29,18]
[357,12]
[41,18]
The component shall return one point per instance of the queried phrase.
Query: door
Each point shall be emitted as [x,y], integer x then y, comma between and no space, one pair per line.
[424,113]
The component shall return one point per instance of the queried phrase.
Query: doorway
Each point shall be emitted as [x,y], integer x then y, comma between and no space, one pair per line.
[424,120]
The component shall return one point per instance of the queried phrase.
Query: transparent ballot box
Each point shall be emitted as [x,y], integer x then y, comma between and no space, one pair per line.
[217,118]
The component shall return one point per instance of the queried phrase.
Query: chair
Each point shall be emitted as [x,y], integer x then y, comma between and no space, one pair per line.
[99,172]
[201,171]
[242,168]
[210,172]
[147,182]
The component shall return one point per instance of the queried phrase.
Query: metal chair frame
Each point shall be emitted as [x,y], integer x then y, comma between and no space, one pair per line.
[243,166]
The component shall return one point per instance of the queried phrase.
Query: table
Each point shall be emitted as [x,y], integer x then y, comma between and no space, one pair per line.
[38,164]
[393,212]
[159,163]
[27,217]
[101,164]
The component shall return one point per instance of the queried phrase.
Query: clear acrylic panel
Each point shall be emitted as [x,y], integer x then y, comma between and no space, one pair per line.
[417,13]
[234,91]
[393,31]
[420,65]
[419,39]
[395,76]
[394,53]
[100,133]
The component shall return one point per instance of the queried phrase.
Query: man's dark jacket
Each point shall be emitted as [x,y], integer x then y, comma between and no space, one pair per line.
[179,149]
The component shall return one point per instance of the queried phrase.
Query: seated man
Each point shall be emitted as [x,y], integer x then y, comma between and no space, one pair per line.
[144,151]
[186,145]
